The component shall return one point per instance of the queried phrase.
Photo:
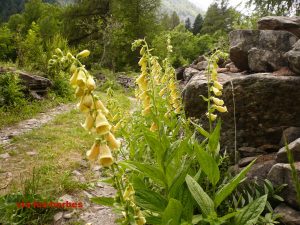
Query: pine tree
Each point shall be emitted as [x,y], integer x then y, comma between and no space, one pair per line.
[198,24]
[188,25]
[175,21]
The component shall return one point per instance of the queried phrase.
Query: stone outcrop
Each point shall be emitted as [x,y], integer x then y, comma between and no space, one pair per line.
[289,216]
[294,147]
[260,50]
[264,106]
[36,86]
[291,24]
[293,57]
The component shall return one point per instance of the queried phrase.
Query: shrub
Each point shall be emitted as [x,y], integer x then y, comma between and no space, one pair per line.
[11,90]
[7,45]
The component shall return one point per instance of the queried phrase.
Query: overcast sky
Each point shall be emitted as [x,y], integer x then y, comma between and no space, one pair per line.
[203,4]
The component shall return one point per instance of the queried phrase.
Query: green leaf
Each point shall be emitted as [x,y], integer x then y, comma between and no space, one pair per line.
[155,145]
[172,214]
[250,213]
[106,201]
[147,170]
[150,200]
[213,142]
[203,200]
[208,165]
[228,188]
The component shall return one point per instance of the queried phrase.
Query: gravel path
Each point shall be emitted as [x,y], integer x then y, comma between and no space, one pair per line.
[7,133]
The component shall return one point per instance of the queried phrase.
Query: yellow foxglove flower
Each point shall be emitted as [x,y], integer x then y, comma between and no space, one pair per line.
[146,102]
[81,78]
[154,127]
[172,85]
[90,83]
[214,74]
[89,122]
[105,156]
[79,92]
[220,108]
[146,111]
[86,103]
[217,101]
[178,110]
[142,82]
[73,68]
[177,103]
[128,194]
[100,106]
[143,61]
[218,85]
[93,153]
[101,124]
[143,95]
[83,54]
[211,116]
[140,218]
[73,79]
[112,142]
[162,91]
[216,91]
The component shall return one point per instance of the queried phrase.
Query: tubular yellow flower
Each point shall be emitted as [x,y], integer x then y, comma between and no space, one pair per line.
[73,79]
[162,91]
[140,218]
[142,82]
[105,156]
[143,95]
[143,61]
[216,91]
[81,78]
[211,116]
[93,153]
[86,103]
[101,124]
[112,142]
[172,85]
[83,54]
[177,103]
[214,74]
[178,110]
[217,101]
[218,85]
[100,106]
[146,102]
[128,194]
[90,83]
[146,111]
[220,108]
[73,68]
[89,122]
[154,127]
[79,92]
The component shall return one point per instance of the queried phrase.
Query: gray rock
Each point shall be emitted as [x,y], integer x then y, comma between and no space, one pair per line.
[259,171]
[179,73]
[66,198]
[295,150]
[202,65]
[293,57]
[31,153]
[291,24]
[262,103]
[189,73]
[4,156]
[58,216]
[246,161]
[69,215]
[260,50]
[289,135]
[289,216]
[249,152]
[281,173]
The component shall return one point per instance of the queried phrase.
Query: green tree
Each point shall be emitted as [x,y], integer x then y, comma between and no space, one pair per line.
[175,20]
[275,7]
[198,23]
[188,24]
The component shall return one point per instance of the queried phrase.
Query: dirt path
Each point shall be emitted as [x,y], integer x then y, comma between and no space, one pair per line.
[7,133]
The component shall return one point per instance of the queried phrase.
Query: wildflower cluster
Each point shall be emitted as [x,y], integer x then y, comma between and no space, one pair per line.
[94,110]
[215,89]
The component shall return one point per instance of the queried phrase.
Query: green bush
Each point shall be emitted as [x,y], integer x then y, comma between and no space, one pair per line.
[7,46]
[11,90]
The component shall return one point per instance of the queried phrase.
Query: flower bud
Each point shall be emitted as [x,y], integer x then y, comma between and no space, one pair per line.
[216,91]
[220,108]
[83,54]
[217,101]
[218,85]
[211,116]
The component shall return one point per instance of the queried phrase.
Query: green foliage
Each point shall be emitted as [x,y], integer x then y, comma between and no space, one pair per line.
[7,45]
[11,90]
[186,45]
[275,7]
[198,23]
[10,213]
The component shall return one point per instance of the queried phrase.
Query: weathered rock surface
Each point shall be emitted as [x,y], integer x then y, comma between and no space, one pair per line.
[289,216]
[37,86]
[281,174]
[291,24]
[189,73]
[289,135]
[260,50]
[295,150]
[264,105]
[293,57]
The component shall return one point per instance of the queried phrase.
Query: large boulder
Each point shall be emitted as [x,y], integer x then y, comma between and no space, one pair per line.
[293,57]
[288,215]
[264,105]
[291,24]
[260,50]
[294,147]
[281,173]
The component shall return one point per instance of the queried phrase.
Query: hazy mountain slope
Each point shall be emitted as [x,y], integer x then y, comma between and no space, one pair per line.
[184,8]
